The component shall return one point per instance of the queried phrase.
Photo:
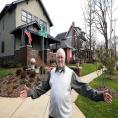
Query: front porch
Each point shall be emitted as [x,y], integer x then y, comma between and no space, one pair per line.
[33,46]
[24,55]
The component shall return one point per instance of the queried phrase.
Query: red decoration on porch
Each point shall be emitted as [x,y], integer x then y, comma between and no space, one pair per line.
[28,35]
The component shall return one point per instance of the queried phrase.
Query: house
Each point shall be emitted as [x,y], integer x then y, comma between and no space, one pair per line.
[20,23]
[74,43]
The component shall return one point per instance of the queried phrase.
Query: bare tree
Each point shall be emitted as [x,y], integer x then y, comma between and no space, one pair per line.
[89,26]
[90,22]
[102,11]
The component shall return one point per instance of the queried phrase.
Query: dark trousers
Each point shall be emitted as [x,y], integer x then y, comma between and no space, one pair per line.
[51,117]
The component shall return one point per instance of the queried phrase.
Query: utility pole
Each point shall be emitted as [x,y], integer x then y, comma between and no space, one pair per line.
[111,22]
[114,37]
[43,35]
[90,25]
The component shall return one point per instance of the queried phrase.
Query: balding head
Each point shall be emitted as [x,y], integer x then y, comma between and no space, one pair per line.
[60,51]
[60,57]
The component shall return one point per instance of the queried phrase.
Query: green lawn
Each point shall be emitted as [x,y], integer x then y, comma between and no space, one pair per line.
[93,109]
[88,68]
[6,71]
[98,109]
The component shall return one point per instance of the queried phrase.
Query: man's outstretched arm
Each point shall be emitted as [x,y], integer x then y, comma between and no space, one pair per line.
[37,91]
[85,90]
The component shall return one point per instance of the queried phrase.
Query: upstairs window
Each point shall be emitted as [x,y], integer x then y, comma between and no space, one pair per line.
[29,18]
[44,24]
[2,47]
[48,29]
[26,17]
[34,18]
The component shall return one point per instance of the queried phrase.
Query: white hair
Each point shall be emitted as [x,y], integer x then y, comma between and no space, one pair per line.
[32,60]
[61,51]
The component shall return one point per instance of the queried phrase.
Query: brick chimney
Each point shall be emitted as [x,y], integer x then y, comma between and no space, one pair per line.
[73,34]
[73,24]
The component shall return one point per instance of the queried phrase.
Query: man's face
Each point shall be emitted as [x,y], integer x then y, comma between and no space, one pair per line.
[60,60]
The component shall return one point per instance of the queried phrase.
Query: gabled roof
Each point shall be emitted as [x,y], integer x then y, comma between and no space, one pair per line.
[9,7]
[51,39]
[80,33]
[61,36]
[64,43]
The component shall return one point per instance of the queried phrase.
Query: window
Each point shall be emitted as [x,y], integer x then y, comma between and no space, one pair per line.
[29,18]
[26,17]
[48,29]
[34,18]
[43,23]
[2,47]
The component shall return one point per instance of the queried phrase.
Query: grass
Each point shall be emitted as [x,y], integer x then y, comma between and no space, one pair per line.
[101,109]
[88,68]
[93,109]
[6,71]
[72,65]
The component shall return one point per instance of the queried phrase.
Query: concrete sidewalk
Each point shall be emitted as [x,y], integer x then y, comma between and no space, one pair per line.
[38,108]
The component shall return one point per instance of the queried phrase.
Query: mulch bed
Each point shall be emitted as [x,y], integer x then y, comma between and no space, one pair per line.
[11,85]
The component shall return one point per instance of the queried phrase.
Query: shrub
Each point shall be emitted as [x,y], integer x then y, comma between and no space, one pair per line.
[42,70]
[100,67]
[32,73]
[110,64]
[23,74]
[24,68]
[18,72]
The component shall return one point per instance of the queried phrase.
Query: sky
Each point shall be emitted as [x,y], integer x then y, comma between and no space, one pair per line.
[64,12]
[61,12]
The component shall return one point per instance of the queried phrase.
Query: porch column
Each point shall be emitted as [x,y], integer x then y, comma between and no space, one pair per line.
[22,39]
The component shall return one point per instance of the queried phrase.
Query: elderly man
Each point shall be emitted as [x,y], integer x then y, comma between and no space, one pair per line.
[61,81]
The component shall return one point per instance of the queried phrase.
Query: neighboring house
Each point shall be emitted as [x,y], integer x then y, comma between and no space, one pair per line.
[73,42]
[20,23]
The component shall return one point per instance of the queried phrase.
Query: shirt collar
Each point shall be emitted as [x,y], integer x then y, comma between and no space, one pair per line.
[60,69]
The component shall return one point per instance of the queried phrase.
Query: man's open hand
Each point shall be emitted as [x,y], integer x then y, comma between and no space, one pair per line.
[23,92]
[107,97]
